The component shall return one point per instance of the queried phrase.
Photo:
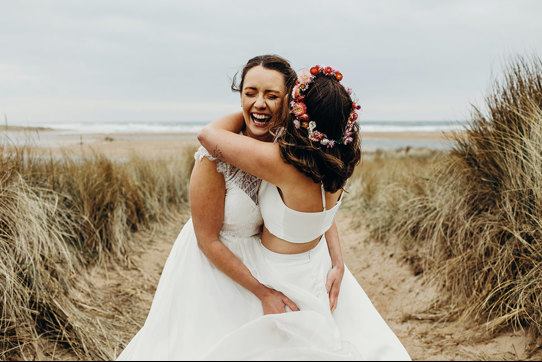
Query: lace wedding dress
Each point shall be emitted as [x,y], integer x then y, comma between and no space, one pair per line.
[198,313]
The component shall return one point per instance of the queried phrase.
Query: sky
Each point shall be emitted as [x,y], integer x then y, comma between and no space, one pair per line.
[99,61]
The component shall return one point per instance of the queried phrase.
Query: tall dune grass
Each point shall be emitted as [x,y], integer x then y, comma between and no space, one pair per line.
[473,218]
[59,215]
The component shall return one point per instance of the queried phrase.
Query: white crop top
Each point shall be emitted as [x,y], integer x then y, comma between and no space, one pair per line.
[291,225]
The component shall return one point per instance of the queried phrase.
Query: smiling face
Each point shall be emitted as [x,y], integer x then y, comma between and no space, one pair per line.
[261,98]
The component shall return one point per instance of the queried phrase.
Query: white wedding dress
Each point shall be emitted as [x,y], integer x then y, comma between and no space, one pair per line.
[199,313]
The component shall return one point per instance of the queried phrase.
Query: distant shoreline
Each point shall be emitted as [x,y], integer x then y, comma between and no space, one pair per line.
[24,128]
[396,135]
[408,135]
[169,143]
[161,128]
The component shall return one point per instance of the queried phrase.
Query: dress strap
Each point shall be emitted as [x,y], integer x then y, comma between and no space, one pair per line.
[341,197]
[323,196]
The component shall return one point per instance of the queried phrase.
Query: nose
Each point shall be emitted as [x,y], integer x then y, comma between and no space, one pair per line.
[260,102]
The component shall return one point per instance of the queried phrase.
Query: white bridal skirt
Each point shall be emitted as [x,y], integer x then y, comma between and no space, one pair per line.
[198,313]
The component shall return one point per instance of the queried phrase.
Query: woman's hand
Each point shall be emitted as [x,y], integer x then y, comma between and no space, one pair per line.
[333,284]
[275,302]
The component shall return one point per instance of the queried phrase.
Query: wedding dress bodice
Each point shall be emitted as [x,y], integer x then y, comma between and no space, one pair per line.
[291,225]
[242,215]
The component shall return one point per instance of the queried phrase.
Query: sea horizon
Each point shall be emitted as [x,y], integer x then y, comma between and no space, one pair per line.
[119,127]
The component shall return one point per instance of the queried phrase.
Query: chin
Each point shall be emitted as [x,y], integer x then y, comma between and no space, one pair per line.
[258,133]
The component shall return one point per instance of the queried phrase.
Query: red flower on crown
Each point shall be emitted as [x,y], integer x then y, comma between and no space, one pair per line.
[315,70]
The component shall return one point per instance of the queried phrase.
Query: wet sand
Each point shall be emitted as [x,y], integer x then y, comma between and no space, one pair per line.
[432,136]
[157,145]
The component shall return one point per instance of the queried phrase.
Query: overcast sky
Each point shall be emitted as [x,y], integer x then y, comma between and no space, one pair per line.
[173,60]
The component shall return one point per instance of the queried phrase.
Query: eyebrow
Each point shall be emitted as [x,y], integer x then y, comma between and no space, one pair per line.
[266,91]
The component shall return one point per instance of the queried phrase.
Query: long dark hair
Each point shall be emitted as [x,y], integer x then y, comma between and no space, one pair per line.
[329,105]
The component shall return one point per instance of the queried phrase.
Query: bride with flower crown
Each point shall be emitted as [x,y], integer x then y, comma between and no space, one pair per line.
[232,291]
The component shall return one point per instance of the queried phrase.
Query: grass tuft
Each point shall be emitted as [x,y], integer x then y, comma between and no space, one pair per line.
[472,219]
[59,216]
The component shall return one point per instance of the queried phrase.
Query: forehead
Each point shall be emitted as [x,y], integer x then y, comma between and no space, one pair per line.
[262,78]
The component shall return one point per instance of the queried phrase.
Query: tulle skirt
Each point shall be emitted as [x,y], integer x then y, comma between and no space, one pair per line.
[200,313]
[194,305]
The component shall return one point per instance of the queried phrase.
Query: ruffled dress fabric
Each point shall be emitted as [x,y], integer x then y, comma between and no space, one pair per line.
[198,313]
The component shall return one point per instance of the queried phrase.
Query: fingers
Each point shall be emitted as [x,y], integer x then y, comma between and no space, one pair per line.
[333,297]
[290,304]
[330,287]
[333,303]
[329,282]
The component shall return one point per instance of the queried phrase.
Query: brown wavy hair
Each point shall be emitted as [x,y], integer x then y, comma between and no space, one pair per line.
[268,61]
[329,105]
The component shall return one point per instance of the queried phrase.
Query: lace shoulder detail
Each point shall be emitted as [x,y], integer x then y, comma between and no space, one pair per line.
[202,152]
[233,176]
[248,183]
[221,166]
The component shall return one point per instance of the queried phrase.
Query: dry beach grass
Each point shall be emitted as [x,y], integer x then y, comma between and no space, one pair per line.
[471,219]
[59,217]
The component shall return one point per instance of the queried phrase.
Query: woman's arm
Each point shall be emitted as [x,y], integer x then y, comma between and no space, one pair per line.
[335,275]
[207,193]
[234,122]
[261,159]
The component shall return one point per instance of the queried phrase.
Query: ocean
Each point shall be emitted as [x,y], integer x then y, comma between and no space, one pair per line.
[116,127]
[169,130]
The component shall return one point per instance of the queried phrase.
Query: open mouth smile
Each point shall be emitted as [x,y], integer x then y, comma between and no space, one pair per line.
[260,120]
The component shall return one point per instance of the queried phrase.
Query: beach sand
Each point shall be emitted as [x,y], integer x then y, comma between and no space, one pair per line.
[158,145]
[432,136]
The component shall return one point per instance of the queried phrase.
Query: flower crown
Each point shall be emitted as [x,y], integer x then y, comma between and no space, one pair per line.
[299,109]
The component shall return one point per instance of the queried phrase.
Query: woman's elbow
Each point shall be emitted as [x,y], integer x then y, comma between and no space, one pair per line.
[206,244]
[203,135]
[203,247]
